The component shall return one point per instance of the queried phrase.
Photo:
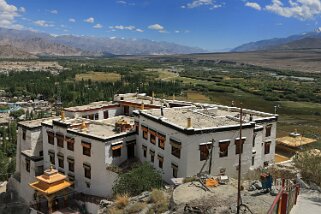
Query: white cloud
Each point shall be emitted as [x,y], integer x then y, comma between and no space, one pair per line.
[177,31]
[300,9]
[54,11]
[113,37]
[90,20]
[98,26]
[122,27]
[22,9]
[43,23]
[199,3]
[8,13]
[122,2]
[157,27]
[72,20]
[253,5]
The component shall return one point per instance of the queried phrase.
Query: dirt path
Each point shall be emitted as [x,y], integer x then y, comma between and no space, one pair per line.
[309,201]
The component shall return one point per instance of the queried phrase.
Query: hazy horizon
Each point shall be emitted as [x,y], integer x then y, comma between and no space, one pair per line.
[209,24]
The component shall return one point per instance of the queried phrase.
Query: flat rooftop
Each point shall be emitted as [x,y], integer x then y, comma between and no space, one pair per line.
[91,106]
[204,118]
[200,118]
[98,128]
[35,123]
[146,101]
[295,142]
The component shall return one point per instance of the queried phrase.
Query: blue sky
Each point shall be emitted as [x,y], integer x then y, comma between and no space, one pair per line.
[209,24]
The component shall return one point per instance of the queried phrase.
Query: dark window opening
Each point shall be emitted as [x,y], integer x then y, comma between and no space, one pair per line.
[176,148]
[224,148]
[239,146]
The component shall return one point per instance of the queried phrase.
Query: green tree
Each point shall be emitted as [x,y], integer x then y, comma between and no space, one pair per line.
[141,178]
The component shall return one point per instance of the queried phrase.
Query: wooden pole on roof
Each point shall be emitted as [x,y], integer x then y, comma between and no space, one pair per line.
[239,167]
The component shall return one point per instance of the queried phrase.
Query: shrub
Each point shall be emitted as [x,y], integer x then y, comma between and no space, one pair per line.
[121,201]
[309,163]
[157,195]
[135,208]
[141,178]
[160,201]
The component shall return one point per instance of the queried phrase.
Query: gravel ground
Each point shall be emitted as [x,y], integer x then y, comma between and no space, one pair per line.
[221,199]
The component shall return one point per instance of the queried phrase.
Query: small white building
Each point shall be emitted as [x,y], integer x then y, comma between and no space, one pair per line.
[177,138]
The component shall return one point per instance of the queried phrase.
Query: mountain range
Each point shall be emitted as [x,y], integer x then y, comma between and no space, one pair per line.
[31,44]
[311,40]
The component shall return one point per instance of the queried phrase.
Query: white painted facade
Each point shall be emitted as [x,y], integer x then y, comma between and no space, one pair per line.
[101,154]
[189,163]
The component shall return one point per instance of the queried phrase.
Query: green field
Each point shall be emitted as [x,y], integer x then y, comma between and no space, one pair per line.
[98,76]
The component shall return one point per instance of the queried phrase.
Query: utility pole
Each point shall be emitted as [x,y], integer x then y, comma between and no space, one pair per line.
[211,157]
[239,168]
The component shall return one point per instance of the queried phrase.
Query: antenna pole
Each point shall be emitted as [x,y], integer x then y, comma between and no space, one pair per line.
[239,168]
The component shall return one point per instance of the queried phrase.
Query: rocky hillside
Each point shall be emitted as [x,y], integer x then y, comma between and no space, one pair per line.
[42,44]
[9,52]
[310,40]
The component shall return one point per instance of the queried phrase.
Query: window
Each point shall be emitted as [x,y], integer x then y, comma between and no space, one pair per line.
[204,151]
[70,143]
[41,153]
[254,136]
[175,170]
[39,170]
[60,160]
[239,146]
[267,146]
[52,157]
[116,150]
[266,164]
[145,132]
[86,148]
[60,140]
[87,170]
[24,134]
[87,184]
[91,117]
[106,114]
[152,136]
[96,116]
[268,129]
[224,148]
[27,165]
[71,164]
[176,148]
[152,156]
[253,158]
[160,161]
[51,139]
[137,127]
[161,141]
[145,151]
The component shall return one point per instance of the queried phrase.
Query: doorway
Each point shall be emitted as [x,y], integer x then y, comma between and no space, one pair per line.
[131,151]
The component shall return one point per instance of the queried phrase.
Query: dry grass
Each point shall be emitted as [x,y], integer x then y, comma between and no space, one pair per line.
[98,76]
[121,201]
[161,202]
[157,195]
[115,210]
[136,208]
